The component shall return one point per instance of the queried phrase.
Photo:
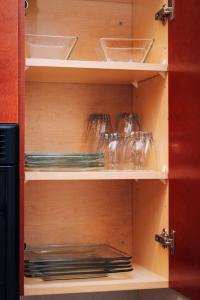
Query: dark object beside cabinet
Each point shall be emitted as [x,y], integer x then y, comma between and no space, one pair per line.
[9,216]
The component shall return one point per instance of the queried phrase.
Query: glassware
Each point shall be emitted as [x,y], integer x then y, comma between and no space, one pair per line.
[49,46]
[59,262]
[127,122]
[75,253]
[67,274]
[60,161]
[126,49]
[140,145]
[98,123]
[110,144]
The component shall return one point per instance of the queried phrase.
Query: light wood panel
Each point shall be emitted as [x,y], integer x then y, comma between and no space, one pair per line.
[139,279]
[150,198]
[79,212]
[114,1]
[89,20]
[151,103]
[96,175]
[150,216]
[124,214]
[145,26]
[46,70]
[56,114]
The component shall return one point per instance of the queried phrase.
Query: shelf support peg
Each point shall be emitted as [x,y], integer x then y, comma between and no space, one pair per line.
[135,84]
[164,181]
[164,171]
[163,74]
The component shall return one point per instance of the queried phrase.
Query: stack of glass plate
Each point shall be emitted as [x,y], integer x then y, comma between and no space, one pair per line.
[60,262]
[60,161]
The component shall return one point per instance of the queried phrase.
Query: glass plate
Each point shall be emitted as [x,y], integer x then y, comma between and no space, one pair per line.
[69,161]
[70,277]
[79,272]
[64,165]
[67,268]
[68,156]
[83,264]
[74,253]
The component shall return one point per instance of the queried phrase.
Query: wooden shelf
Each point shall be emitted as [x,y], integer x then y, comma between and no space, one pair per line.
[95,175]
[72,71]
[140,278]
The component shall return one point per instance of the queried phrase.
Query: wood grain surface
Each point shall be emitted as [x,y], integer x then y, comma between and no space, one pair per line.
[9,62]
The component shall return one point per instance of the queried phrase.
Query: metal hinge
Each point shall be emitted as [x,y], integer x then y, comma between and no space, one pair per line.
[166,12]
[26,5]
[167,240]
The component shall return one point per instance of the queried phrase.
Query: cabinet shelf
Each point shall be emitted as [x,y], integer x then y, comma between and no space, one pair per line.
[72,71]
[140,278]
[95,175]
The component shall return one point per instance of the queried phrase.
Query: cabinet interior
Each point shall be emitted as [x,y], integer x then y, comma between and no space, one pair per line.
[123,213]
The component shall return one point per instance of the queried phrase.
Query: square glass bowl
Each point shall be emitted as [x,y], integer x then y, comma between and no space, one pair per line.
[49,46]
[126,50]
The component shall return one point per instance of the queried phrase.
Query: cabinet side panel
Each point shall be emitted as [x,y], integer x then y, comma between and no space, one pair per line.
[145,26]
[150,101]
[9,62]
[150,216]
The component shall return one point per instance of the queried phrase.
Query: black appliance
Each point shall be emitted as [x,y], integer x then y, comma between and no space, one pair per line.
[9,212]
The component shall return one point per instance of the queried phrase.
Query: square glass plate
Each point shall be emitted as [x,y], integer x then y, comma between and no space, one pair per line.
[68,161]
[69,156]
[77,273]
[66,268]
[75,265]
[75,253]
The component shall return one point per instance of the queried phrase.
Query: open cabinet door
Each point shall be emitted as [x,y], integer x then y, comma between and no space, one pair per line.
[184,108]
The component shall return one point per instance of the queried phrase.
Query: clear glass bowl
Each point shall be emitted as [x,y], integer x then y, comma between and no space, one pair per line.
[126,50]
[49,46]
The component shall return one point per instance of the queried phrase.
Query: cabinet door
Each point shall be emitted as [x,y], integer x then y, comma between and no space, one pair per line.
[9,61]
[12,85]
[184,108]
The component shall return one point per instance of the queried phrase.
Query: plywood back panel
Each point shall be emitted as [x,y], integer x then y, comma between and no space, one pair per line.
[89,20]
[113,1]
[150,216]
[145,26]
[151,103]
[56,114]
[79,212]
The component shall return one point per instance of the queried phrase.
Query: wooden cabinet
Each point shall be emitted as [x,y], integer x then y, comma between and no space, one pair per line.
[122,208]
[102,206]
